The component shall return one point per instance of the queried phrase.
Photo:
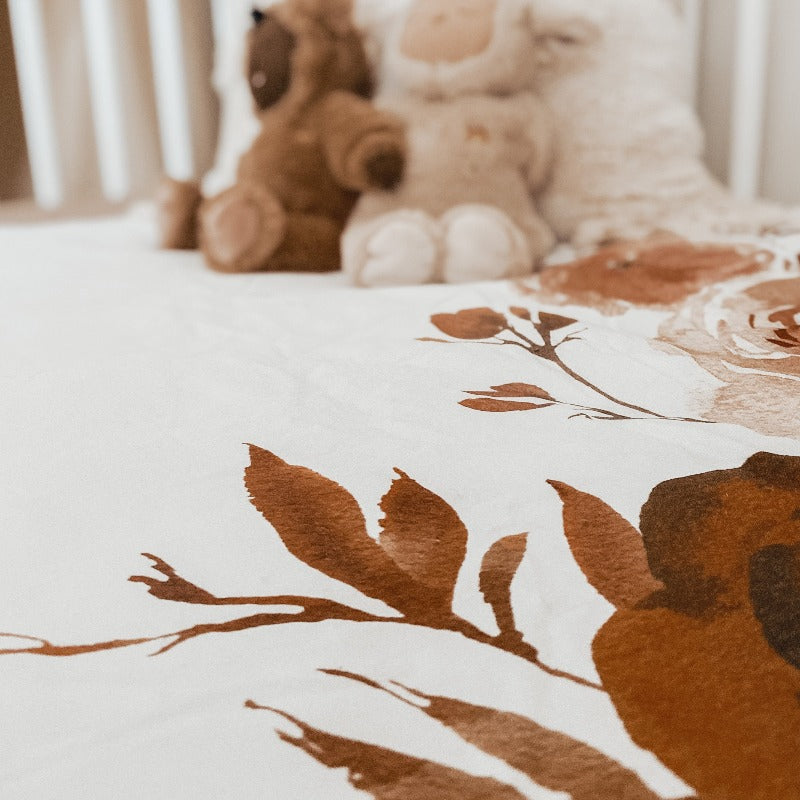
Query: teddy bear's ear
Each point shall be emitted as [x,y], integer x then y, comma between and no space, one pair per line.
[336,15]
[269,62]
[559,40]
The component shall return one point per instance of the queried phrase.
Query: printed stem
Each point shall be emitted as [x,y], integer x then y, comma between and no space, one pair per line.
[531,345]
[516,646]
[549,352]
[314,610]
[556,359]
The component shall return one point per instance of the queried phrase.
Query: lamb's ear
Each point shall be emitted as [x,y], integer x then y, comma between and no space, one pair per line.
[560,40]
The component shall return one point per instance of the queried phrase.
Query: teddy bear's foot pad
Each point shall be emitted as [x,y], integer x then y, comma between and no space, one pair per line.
[241,228]
[402,250]
[483,244]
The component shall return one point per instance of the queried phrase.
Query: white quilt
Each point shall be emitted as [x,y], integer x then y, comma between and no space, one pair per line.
[301,658]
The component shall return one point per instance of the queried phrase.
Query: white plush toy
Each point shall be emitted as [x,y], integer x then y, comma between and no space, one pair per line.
[460,73]
[630,146]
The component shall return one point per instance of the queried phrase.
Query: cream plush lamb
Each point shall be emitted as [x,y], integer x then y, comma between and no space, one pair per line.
[460,72]
[629,160]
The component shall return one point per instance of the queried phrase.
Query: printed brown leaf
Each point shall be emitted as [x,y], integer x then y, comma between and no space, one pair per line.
[521,313]
[516,390]
[655,271]
[500,565]
[472,323]
[423,535]
[554,322]
[551,759]
[500,406]
[320,523]
[607,548]
[389,775]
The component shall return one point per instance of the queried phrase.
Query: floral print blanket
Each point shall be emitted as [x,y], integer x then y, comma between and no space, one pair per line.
[271,536]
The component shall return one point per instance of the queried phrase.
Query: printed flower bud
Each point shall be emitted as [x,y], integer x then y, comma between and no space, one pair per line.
[473,323]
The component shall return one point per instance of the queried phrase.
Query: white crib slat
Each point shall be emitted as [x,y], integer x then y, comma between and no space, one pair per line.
[221,17]
[171,88]
[693,14]
[106,93]
[30,50]
[749,93]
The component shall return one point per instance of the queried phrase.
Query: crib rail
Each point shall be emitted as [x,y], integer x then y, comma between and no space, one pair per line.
[34,84]
[749,94]
[100,28]
[170,85]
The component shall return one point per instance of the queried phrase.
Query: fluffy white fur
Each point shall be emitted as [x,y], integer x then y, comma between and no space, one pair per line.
[629,158]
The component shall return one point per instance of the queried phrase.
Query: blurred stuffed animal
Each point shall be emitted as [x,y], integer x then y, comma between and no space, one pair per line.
[630,143]
[321,143]
[459,73]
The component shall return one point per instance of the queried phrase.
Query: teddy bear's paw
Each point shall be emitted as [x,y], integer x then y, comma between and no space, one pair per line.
[384,168]
[398,249]
[377,161]
[177,203]
[241,228]
[483,244]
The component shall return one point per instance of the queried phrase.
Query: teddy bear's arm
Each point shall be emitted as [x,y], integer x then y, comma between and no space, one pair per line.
[364,146]
[540,143]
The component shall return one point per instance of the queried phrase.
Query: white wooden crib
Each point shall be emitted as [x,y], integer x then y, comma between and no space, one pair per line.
[740,128]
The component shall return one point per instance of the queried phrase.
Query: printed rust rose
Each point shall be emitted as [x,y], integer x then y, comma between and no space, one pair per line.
[472,323]
[747,335]
[655,272]
[705,672]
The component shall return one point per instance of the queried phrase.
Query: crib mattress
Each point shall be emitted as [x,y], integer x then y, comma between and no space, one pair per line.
[273,536]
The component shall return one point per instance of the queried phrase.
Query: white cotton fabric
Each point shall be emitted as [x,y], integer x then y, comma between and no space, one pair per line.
[131,379]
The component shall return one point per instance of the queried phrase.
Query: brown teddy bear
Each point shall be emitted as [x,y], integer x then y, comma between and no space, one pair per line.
[321,143]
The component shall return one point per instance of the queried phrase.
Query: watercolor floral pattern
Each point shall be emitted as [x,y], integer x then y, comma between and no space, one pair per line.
[734,310]
[747,336]
[542,339]
[656,273]
[412,567]
[701,658]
